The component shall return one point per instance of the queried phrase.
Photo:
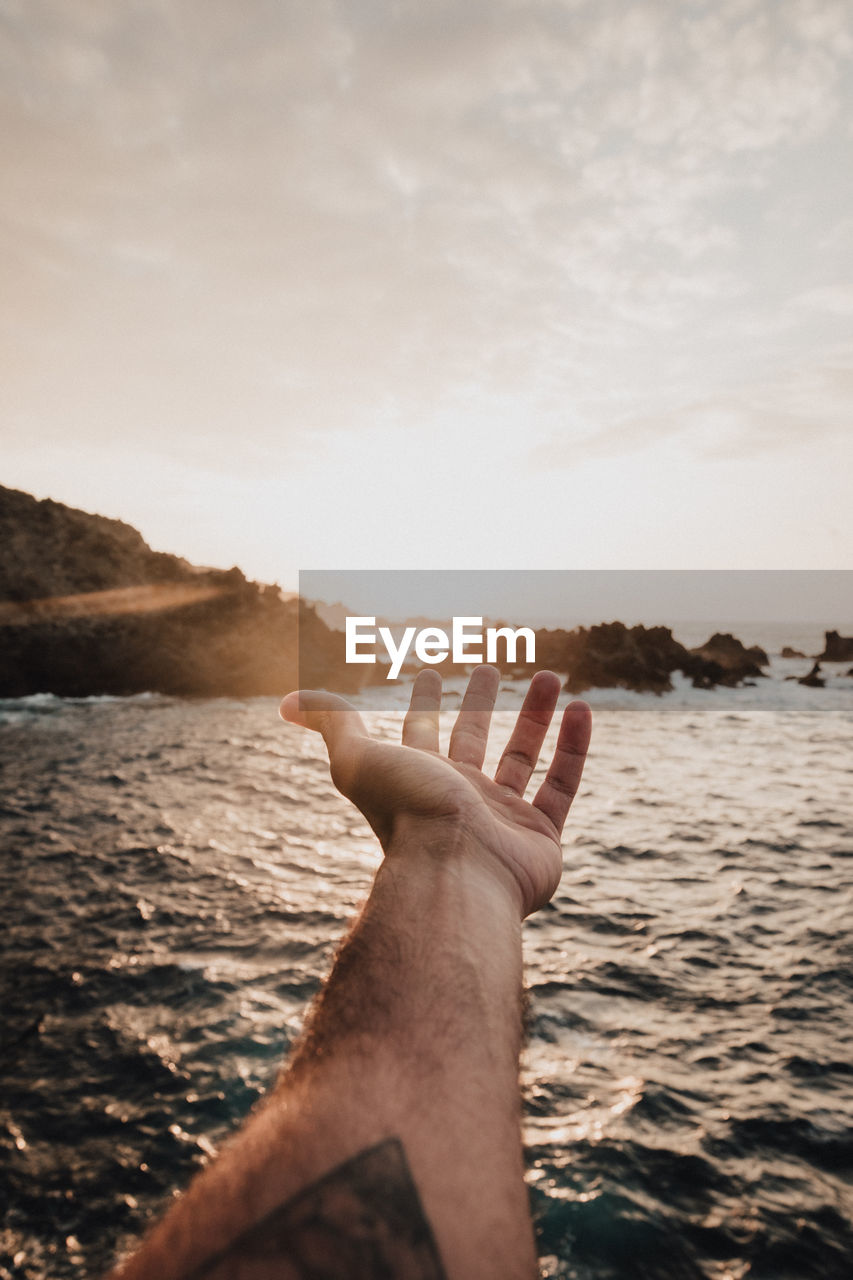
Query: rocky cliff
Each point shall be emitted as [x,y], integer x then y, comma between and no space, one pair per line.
[86,607]
[48,549]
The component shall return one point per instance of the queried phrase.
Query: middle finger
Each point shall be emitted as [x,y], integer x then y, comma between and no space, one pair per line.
[522,751]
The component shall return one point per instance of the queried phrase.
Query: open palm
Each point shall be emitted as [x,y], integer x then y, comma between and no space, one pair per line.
[413,787]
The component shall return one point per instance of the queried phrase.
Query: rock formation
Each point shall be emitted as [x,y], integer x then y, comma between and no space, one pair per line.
[814,680]
[612,655]
[836,648]
[53,550]
[736,662]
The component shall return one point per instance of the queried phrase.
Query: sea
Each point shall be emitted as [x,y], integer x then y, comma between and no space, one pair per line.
[176,876]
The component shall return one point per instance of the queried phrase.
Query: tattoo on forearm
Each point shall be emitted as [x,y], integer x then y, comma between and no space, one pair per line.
[362,1221]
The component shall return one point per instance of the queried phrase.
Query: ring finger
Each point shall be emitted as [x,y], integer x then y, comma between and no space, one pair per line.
[420,727]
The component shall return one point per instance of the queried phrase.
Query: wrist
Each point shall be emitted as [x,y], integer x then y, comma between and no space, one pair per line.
[444,851]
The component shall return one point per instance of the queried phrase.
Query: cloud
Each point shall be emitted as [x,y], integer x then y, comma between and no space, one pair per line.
[808,405]
[288,217]
[834,299]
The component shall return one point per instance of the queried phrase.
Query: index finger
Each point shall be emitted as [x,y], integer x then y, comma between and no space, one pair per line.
[554,798]
[471,731]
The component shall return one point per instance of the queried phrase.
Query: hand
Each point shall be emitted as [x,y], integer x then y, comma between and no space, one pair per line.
[411,794]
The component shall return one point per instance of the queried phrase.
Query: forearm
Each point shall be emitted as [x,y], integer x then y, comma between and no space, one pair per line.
[415,1038]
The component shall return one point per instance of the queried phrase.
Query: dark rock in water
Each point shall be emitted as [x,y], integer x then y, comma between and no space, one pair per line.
[814,679]
[788,652]
[836,648]
[90,609]
[736,662]
[612,655]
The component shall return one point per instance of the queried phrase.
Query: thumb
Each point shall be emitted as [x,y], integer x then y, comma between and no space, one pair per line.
[326,713]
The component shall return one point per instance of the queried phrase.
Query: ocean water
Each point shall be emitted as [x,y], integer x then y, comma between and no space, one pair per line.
[176,876]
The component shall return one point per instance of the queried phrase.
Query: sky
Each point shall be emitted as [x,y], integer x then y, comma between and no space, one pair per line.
[509,284]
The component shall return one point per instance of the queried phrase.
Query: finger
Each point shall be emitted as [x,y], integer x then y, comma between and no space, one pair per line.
[522,751]
[420,727]
[471,731]
[333,717]
[555,796]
